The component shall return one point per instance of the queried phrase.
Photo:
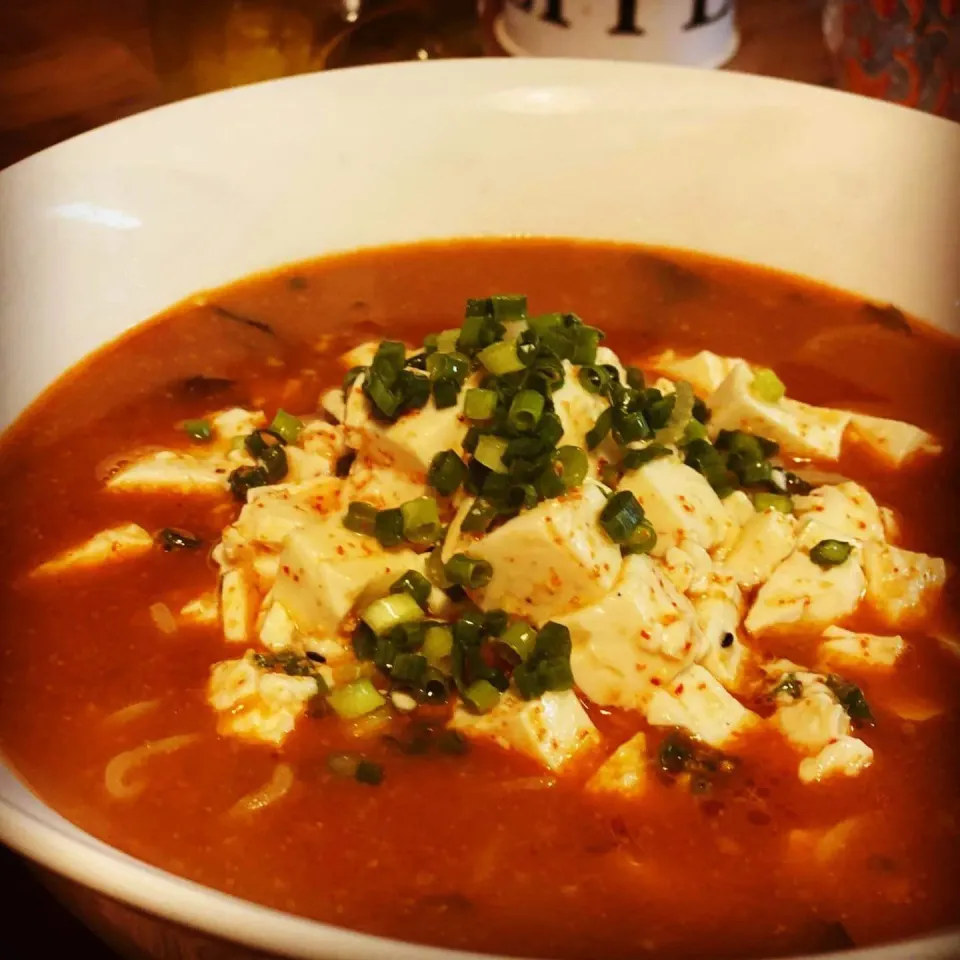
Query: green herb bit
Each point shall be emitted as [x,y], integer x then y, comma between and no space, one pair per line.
[482,695]
[364,642]
[361,518]
[525,411]
[446,341]
[620,516]
[851,698]
[388,527]
[480,404]
[454,366]
[680,754]
[790,685]
[409,668]
[287,426]
[199,430]
[414,583]
[421,520]
[767,386]
[446,392]
[446,472]
[772,501]
[830,553]
[369,773]
[508,307]
[490,451]
[355,700]
[245,478]
[343,764]
[597,433]
[390,611]
[437,644]
[517,642]
[501,358]
[642,540]
[634,458]
[466,571]
[572,464]
[481,514]
[171,539]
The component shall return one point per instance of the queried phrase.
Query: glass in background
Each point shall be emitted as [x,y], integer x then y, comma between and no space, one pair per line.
[905,51]
[204,45]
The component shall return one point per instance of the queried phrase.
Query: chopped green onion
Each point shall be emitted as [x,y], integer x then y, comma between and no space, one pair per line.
[170,539]
[482,695]
[478,307]
[751,472]
[593,379]
[600,429]
[489,452]
[446,391]
[408,636]
[851,698]
[244,479]
[468,630]
[694,430]
[643,539]
[355,700]
[455,366]
[553,641]
[526,410]
[495,622]
[767,386]
[447,341]
[634,459]
[364,642]
[545,322]
[287,426]
[501,358]
[261,442]
[585,341]
[830,553]
[772,501]
[274,463]
[746,444]
[508,307]
[629,426]
[466,571]
[480,404]
[680,415]
[479,517]
[555,674]
[447,471]
[435,686]
[361,518]
[437,644]
[573,465]
[414,583]
[789,684]
[549,483]
[518,641]
[620,516]
[635,378]
[199,430]
[369,773]
[351,377]
[386,401]
[388,527]
[409,668]
[421,520]
[390,611]
[343,764]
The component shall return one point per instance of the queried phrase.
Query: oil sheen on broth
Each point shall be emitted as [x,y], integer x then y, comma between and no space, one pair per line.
[486,849]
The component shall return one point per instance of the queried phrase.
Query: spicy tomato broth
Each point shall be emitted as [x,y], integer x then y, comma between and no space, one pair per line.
[474,851]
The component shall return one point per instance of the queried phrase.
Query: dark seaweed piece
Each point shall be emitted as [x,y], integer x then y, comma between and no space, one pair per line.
[201,386]
[678,282]
[228,314]
[297,282]
[887,315]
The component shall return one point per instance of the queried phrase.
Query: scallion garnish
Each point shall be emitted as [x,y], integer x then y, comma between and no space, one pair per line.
[573,466]
[501,358]
[355,700]
[421,520]
[447,471]
[767,386]
[170,539]
[517,641]
[489,452]
[388,527]
[635,458]
[199,430]
[466,571]
[437,644]
[772,501]
[414,583]
[830,553]
[361,518]
[244,479]
[525,411]
[597,433]
[286,426]
[480,404]
[481,514]
[620,516]
[390,611]
[482,695]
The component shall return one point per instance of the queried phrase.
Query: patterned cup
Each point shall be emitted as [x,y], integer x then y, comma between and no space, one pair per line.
[906,51]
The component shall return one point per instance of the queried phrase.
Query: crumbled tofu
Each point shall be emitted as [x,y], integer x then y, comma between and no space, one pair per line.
[170,470]
[106,547]
[801,596]
[859,649]
[765,541]
[235,422]
[902,587]
[553,730]
[800,429]
[639,636]
[847,756]
[704,371]
[204,609]
[238,604]
[696,702]
[408,444]
[381,486]
[892,441]
[679,503]
[550,560]
[688,567]
[255,704]
[624,772]
[323,569]
[847,509]
[277,631]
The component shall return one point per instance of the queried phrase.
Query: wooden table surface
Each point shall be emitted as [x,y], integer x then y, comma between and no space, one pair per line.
[69,65]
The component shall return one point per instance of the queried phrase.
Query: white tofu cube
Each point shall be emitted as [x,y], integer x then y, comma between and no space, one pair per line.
[844,647]
[846,756]
[203,610]
[679,503]
[316,453]
[277,631]
[105,548]
[846,508]
[235,422]
[800,429]
[170,470]
[739,507]
[384,487]
[409,444]
[639,636]
[696,702]
[272,512]
[704,371]
[718,610]
[902,587]
[333,403]
[239,600]
[765,541]
[324,568]
[549,560]
[893,442]
[553,730]
[254,704]
[625,772]
[803,597]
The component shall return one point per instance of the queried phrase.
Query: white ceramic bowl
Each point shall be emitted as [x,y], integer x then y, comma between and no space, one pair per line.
[103,231]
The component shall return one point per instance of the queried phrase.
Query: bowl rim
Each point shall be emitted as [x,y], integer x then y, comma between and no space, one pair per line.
[107,870]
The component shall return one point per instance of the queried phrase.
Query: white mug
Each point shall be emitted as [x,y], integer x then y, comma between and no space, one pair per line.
[698,33]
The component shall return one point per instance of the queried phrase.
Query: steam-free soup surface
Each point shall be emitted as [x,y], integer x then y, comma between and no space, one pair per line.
[482,851]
